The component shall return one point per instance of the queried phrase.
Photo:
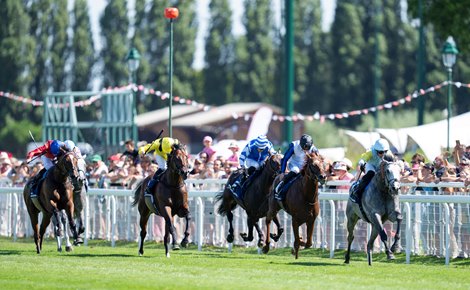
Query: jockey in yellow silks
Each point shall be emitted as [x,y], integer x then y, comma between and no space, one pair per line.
[161,148]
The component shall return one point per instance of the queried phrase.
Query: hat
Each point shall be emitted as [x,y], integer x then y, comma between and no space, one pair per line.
[96,158]
[233,146]
[207,138]
[340,166]
[5,161]
[114,157]
[347,162]
[429,166]
[3,155]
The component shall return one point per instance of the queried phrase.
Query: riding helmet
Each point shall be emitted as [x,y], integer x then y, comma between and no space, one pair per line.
[306,142]
[55,147]
[261,142]
[69,144]
[381,145]
[166,145]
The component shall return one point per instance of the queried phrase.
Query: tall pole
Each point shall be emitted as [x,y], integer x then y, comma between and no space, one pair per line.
[421,56]
[289,73]
[377,64]
[449,105]
[170,71]
[171,13]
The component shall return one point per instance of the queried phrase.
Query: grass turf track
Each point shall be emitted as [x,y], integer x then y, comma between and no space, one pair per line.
[99,266]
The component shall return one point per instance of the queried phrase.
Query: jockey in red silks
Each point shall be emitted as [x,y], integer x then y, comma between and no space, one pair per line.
[48,152]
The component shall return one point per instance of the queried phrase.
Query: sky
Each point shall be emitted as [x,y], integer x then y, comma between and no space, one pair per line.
[97,7]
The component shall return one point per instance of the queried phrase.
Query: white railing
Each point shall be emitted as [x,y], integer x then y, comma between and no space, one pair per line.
[433,222]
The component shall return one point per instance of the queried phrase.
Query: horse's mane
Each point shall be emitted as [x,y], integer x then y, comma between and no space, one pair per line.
[309,158]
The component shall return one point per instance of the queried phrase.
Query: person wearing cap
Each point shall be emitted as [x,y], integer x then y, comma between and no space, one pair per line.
[341,173]
[294,160]
[233,159]
[208,149]
[371,159]
[161,148]
[48,152]
[251,159]
[99,167]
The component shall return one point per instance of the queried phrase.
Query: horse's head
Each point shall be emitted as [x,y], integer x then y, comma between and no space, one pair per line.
[81,179]
[67,165]
[315,167]
[178,160]
[390,172]
[274,162]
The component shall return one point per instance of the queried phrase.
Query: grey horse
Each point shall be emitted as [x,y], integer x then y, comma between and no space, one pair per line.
[379,203]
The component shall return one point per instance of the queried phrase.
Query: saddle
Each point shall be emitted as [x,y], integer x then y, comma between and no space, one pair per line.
[285,187]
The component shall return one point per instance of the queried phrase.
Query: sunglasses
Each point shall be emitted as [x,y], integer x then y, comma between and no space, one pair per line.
[381,152]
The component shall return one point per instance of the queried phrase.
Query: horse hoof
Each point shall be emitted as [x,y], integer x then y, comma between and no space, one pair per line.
[78,241]
[68,249]
[175,248]
[260,244]
[391,257]
[243,235]
[59,250]
[265,249]
[184,243]
[230,238]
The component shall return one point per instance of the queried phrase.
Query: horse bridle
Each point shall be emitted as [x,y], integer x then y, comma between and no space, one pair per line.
[181,172]
[388,180]
[275,167]
[316,175]
[71,172]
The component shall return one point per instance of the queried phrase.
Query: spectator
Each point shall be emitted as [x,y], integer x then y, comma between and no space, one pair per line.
[208,148]
[99,169]
[203,157]
[20,174]
[218,170]
[228,169]
[146,165]
[197,169]
[340,170]
[233,159]
[131,151]
[5,165]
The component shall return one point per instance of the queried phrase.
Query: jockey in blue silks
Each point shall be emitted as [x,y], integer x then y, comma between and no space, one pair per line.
[294,159]
[252,158]
[372,159]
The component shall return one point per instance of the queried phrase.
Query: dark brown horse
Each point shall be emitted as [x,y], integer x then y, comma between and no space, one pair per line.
[55,194]
[301,201]
[255,201]
[170,197]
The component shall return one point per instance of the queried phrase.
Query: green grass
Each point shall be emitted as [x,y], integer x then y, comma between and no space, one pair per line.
[99,266]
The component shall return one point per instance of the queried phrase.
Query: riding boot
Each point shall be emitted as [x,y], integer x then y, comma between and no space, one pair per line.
[153,182]
[35,182]
[279,193]
[356,195]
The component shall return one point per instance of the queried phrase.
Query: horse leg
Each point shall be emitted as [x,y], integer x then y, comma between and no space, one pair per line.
[378,229]
[280,229]
[295,228]
[268,235]
[63,220]
[144,217]
[260,234]
[370,244]
[396,245]
[248,237]
[352,220]
[184,242]
[169,230]
[73,227]
[230,236]
[34,217]
[58,238]
[46,220]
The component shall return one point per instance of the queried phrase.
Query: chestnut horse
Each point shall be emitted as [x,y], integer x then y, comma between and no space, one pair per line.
[170,197]
[255,201]
[55,194]
[301,200]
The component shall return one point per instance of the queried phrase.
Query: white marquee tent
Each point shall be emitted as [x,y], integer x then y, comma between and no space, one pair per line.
[431,138]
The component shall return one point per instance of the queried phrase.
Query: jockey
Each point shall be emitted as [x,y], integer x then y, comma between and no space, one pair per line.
[372,159]
[161,147]
[294,159]
[48,152]
[71,147]
[253,156]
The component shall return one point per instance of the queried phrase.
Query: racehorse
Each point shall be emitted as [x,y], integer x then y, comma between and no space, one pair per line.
[379,203]
[55,194]
[301,200]
[170,197]
[255,199]
[80,188]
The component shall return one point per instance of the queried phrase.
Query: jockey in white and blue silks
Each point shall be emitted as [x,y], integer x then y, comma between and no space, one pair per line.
[253,157]
[294,159]
[372,159]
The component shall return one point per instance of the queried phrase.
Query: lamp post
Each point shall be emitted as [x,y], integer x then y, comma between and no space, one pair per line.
[133,62]
[171,13]
[449,56]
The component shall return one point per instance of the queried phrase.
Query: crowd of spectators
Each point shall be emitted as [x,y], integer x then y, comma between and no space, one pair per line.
[125,169]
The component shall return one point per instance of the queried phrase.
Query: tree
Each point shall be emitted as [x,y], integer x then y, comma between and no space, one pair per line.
[220,54]
[114,29]
[59,49]
[82,48]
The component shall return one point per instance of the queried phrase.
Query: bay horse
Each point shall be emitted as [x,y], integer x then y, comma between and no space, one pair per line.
[380,202]
[55,193]
[170,198]
[301,200]
[255,201]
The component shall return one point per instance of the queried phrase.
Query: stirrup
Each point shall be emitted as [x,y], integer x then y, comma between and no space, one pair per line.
[354,198]
[279,187]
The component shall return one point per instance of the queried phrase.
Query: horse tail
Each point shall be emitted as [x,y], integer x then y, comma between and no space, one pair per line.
[137,193]
[222,209]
